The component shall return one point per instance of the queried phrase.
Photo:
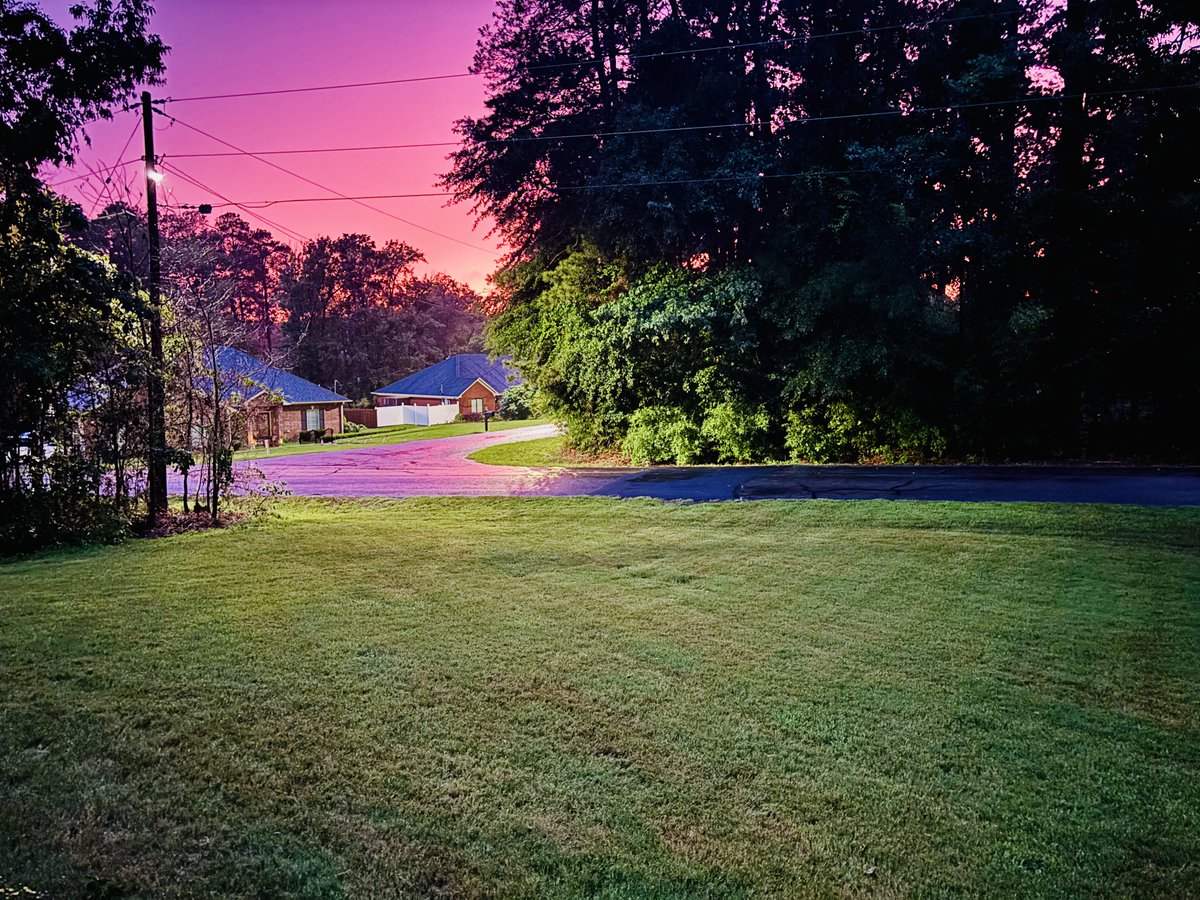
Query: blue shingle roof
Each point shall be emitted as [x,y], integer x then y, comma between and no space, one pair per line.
[247,375]
[452,376]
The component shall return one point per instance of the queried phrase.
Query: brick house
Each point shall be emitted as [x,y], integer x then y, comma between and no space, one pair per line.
[274,405]
[474,381]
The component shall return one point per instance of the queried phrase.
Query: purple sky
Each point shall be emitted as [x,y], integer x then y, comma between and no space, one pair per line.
[219,46]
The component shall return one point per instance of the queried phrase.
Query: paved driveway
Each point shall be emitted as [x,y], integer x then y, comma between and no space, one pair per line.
[423,468]
[440,468]
[1151,486]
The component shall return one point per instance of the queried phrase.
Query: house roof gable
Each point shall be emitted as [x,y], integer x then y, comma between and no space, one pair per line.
[454,375]
[249,376]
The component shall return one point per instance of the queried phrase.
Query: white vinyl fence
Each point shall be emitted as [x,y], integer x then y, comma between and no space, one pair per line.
[416,415]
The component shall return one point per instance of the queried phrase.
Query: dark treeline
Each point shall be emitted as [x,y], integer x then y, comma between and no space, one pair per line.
[339,311]
[776,228]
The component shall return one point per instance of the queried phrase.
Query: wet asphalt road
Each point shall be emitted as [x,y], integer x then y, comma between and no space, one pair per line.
[440,468]
[1165,486]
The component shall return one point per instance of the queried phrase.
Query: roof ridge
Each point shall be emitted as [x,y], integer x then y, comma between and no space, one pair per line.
[436,379]
[294,388]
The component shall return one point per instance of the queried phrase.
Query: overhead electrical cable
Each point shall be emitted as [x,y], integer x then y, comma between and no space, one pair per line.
[72,180]
[798,39]
[323,87]
[675,129]
[137,120]
[264,204]
[270,223]
[222,153]
[596,61]
[337,193]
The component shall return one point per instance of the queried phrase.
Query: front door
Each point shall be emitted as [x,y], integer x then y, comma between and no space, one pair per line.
[262,427]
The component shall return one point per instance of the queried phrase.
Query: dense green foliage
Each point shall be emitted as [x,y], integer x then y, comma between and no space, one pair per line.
[70,336]
[593,698]
[517,402]
[846,231]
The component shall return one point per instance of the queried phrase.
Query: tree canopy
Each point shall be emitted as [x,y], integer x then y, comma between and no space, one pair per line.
[846,231]
[68,319]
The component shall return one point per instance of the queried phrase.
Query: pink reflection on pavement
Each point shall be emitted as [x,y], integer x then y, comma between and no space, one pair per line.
[422,469]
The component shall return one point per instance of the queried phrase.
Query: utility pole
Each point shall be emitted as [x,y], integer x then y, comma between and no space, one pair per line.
[156,465]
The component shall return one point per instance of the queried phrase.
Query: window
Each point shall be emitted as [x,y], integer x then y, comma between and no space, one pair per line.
[476,404]
[312,420]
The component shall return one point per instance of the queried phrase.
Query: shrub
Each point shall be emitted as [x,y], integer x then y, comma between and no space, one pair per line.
[822,434]
[659,434]
[737,431]
[469,417]
[349,427]
[904,438]
[839,433]
[73,513]
[517,402]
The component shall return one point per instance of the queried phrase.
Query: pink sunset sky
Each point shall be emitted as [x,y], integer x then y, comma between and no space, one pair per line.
[220,46]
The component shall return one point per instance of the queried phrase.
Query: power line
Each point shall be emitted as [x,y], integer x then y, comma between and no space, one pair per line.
[270,223]
[596,60]
[677,129]
[808,120]
[93,174]
[323,87]
[218,154]
[263,204]
[747,45]
[249,207]
[756,176]
[323,187]
[137,120]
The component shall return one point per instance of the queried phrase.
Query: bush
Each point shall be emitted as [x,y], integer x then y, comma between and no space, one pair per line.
[737,431]
[839,433]
[517,402]
[74,512]
[904,438]
[822,434]
[659,434]
[469,417]
[349,427]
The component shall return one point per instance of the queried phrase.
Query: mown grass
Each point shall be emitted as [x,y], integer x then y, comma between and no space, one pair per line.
[550,451]
[379,437]
[590,697]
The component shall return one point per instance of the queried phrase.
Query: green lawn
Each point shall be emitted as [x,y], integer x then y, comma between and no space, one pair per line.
[550,451]
[589,697]
[378,437]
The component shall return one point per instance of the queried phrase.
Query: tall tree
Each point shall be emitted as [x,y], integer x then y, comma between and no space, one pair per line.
[254,265]
[63,311]
[358,316]
[953,214]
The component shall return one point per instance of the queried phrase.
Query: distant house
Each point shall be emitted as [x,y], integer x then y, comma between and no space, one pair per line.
[275,405]
[474,381]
